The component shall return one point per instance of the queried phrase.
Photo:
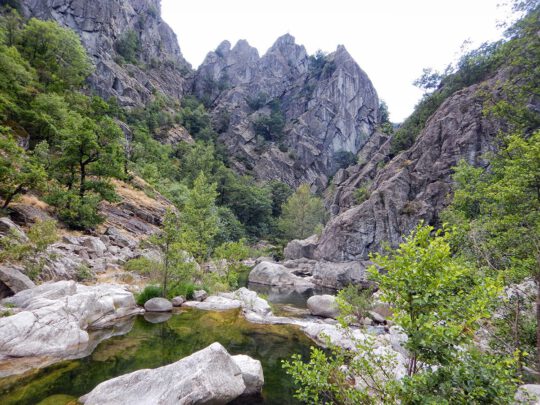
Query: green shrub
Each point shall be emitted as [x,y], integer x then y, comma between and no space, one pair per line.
[184,289]
[361,194]
[83,273]
[141,265]
[150,291]
[128,46]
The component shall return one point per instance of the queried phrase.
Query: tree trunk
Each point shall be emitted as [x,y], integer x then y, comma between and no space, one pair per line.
[12,195]
[82,188]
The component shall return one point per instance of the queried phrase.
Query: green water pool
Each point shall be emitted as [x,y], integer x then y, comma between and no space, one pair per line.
[150,345]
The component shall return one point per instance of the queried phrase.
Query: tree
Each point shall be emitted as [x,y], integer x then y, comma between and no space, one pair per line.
[233,253]
[199,219]
[19,171]
[56,53]
[176,265]
[497,213]
[301,214]
[438,300]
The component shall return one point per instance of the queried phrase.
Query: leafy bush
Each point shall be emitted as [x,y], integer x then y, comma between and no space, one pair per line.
[128,46]
[141,265]
[83,273]
[361,194]
[353,300]
[150,291]
[184,289]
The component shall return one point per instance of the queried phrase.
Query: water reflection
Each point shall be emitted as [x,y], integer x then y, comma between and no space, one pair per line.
[150,345]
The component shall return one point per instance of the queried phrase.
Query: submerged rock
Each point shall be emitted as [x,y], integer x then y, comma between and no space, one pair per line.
[158,304]
[323,305]
[209,376]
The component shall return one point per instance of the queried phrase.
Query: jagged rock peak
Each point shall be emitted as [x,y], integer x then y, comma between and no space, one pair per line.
[223,48]
[102,25]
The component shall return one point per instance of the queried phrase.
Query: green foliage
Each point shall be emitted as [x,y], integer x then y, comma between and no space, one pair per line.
[195,118]
[199,219]
[354,301]
[233,253]
[129,46]
[319,65]
[301,214]
[362,193]
[182,289]
[257,102]
[331,376]
[56,53]
[19,171]
[270,127]
[83,273]
[438,300]
[150,291]
[29,252]
[142,265]
[471,378]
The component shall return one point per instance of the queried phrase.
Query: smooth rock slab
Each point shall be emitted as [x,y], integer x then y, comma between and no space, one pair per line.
[209,376]
[158,304]
[214,303]
[54,318]
[323,305]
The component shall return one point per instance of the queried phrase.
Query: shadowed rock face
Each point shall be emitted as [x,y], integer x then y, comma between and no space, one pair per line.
[413,186]
[328,108]
[101,24]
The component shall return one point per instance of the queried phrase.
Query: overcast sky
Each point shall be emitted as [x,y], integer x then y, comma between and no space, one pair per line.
[392,40]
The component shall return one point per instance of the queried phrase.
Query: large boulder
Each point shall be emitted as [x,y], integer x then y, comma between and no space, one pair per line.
[54,318]
[13,280]
[339,274]
[297,248]
[11,229]
[252,373]
[209,376]
[323,305]
[158,304]
[275,274]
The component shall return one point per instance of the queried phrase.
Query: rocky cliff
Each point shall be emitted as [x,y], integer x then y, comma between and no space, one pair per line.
[113,31]
[413,186]
[287,115]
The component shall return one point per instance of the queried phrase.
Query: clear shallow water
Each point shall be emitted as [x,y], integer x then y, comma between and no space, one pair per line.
[289,295]
[150,345]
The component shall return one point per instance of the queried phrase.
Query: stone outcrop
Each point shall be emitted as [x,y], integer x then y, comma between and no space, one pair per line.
[102,25]
[306,273]
[413,186]
[276,274]
[54,319]
[209,376]
[328,104]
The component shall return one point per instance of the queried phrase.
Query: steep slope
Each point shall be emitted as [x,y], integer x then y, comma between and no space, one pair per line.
[156,63]
[287,115]
[415,185]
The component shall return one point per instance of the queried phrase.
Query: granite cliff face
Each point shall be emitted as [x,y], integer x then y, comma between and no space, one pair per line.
[413,186]
[102,26]
[327,105]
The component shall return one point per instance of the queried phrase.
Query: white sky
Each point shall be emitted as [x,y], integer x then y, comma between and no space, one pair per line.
[392,40]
